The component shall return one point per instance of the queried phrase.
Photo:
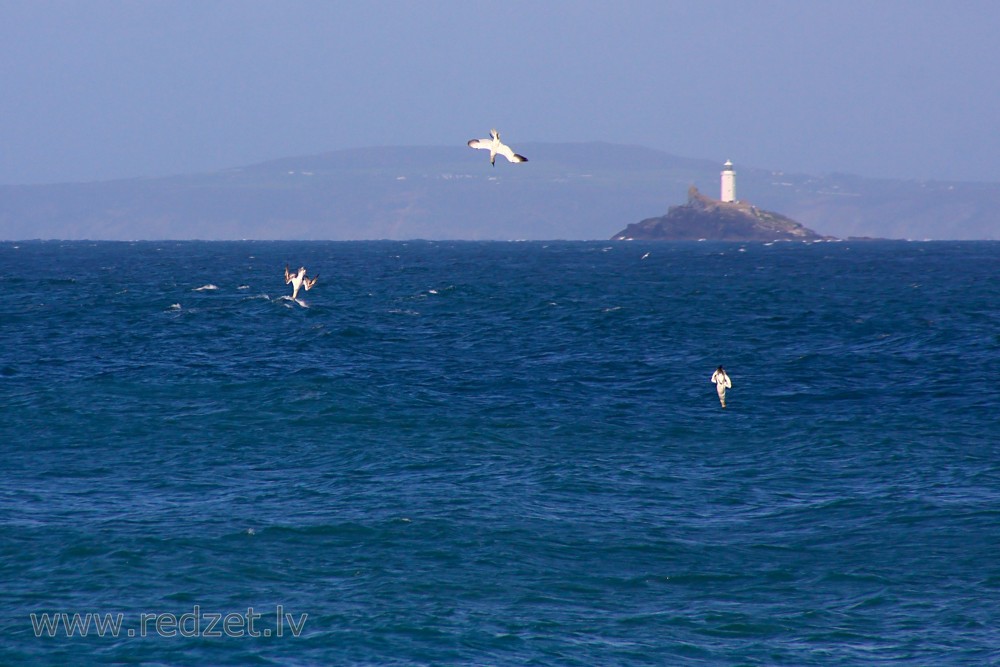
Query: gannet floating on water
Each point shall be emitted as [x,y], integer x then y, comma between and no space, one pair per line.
[299,279]
[496,147]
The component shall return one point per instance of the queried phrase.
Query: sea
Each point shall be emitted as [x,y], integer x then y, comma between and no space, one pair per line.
[499,453]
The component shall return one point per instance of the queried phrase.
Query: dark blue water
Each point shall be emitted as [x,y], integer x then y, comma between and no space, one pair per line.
[501,453]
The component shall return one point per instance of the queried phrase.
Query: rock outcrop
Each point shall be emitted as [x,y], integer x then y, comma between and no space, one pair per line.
[703,218]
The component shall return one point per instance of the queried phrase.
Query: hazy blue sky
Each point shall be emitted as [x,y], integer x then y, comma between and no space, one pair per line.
[100,89]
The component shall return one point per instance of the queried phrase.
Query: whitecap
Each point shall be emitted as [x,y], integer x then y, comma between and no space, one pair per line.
[287,301]
[205,288]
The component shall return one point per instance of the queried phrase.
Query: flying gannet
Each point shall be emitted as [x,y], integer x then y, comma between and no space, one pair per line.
[495,147]
[299,279]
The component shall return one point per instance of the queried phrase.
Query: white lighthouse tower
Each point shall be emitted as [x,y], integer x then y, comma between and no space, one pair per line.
[728,183]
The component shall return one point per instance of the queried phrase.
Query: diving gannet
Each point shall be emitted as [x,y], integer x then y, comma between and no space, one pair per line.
[494,146]
[722,383]
[299,279]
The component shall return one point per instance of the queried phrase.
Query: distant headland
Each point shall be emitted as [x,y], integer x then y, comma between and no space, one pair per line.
[568,191]
[704,218]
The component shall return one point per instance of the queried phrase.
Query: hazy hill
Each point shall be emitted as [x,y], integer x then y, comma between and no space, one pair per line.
[567,191]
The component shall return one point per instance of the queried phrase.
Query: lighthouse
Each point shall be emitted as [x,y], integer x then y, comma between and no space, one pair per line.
[728,183]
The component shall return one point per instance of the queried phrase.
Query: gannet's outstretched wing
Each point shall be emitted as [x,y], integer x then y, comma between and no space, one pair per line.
[481,143]
[505,150]
[309,282]
[288,276]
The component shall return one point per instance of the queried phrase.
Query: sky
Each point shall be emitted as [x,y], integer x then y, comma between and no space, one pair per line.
[107,89]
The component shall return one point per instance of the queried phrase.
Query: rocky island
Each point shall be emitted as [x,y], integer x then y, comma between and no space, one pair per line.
[704,218]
